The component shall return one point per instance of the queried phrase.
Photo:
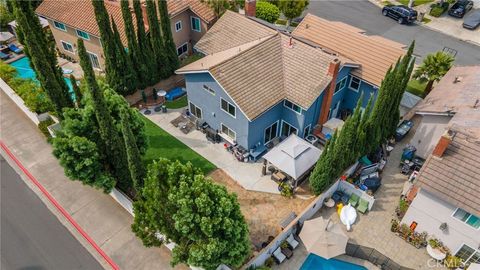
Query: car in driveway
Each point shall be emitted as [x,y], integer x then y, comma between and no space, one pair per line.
[402,14]
[472,21]
[460,8]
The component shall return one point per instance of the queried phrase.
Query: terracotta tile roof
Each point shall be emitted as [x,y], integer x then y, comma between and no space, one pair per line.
[461,98]
[455,177]
[375,54]
[79,14]
[259,67]
[196,6]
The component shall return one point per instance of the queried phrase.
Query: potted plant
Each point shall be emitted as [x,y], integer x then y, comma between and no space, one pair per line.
[394,225]
[269,262]
[404,231]
[453,262]
[285,189]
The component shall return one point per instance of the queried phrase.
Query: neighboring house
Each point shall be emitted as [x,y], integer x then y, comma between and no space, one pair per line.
[447,204]
[256,84]
[70,20]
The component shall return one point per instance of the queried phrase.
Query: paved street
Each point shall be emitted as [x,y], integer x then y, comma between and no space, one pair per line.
[367,16]
[32,237]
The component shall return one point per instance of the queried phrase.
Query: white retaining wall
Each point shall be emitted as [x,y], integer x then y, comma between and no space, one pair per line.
[19,102]
[348,188]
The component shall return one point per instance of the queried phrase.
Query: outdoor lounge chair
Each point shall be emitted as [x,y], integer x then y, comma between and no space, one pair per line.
[4,56]
[14,48]
[362,206]
[292,242]
[279,256]
[354,200]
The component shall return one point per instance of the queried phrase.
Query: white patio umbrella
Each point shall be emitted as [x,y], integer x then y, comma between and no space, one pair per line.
[5,36]
[323,238]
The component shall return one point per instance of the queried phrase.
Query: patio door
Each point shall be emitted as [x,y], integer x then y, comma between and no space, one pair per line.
[288,129]
[334,111]
[195,110]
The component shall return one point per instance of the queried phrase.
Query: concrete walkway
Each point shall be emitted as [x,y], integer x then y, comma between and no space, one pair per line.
[107,223]
[247,174]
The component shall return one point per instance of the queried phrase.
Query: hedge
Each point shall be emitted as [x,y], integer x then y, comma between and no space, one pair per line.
[267,12]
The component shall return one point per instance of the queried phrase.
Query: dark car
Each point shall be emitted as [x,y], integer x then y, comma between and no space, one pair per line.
[460,8]
[472,21]
[403,129]
[401,13]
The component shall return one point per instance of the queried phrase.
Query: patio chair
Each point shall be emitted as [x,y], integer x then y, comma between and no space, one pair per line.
[4,56]
[292,242]
[279,256]
[345,198]
[14,48]
[362,206]
[354,200]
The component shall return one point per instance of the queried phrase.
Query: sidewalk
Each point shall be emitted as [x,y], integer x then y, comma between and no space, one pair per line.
[106,222]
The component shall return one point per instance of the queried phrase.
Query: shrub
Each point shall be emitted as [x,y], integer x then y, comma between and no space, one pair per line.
[267,12]
[269,262]
[453,262]
[285,189]
[438,9]
[43,126]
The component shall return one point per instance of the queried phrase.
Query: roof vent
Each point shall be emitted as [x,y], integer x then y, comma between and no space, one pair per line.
[476,104]
[307,26]
[457,79]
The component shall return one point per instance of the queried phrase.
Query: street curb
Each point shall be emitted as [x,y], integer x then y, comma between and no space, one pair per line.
[59,207]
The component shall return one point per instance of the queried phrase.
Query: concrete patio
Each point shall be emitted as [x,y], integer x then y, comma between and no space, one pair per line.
[246,174]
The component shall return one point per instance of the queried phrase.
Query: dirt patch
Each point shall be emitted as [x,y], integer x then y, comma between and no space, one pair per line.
[263,211]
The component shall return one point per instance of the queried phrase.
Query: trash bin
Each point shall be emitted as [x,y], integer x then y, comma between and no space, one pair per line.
[164,108]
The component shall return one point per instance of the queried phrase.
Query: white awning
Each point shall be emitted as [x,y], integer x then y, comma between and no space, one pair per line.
[5,36]
[294,156]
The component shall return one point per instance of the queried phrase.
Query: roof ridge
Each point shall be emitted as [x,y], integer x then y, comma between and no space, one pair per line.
[284,77]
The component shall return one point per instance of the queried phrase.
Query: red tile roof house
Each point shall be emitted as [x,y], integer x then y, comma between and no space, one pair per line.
[447,204]
[70,20]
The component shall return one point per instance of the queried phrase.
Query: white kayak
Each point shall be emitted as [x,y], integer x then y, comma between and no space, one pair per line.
[348,215]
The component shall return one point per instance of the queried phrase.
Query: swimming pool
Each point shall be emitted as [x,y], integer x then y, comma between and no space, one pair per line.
[24,71]
[314,262]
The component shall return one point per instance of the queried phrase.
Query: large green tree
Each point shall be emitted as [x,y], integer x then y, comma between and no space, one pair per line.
[145,57]
[322,175]
[169,44]
[267,11]
[433,68]
[42,56]
[156,41]
[76,90]
[202,218]
[123,61]
[292,8]
[114,148]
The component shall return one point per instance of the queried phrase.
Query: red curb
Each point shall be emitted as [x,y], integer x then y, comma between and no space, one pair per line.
[60,208]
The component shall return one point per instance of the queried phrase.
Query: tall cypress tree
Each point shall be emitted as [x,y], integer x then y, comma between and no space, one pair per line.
[123,63]
[156,40]
[169,44]
[76,90]
[42,56]
[133,51]
[114,148]
[322,175]
[362,142]
[147,64]
[134,158]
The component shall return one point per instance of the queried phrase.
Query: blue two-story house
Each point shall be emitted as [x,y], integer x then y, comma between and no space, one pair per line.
[256,84]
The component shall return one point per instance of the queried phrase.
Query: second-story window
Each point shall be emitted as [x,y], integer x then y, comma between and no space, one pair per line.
[182,49]
[178,26]
[60,26]
[292,106]
[354,84]
[196,26]
[83,35]
[227,107]
[468,218]
[67,46]
[341,84]
[208,89]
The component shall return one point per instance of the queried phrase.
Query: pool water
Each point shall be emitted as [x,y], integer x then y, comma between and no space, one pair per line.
[24,71]
[314,262]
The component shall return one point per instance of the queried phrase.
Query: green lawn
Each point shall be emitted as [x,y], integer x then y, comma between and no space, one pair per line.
[415,2]
[190,59]
[177,103]
[162,144]
[415,87]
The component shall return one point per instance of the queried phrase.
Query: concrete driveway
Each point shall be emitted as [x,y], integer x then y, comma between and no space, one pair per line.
[453,26]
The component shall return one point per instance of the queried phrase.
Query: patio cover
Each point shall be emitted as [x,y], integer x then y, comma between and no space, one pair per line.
[5,36]
[323,238]
[294,156]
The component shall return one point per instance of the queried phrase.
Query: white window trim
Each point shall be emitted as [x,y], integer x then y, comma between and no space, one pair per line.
[359,84]
[281,128]
[201,111]
[310,129]
[186,43]
[299,113]
[464,222]
[210,90]
[464,244]
[64,30]
[73,52]
[276,131]
[340,89]
[181,26]
[76,32]
[228,138]
[234,116]
[200,24]
[99,68]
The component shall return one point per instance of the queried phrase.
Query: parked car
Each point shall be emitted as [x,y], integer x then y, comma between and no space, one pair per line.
[401,13]
[460,8]
[403,129]
[472,21]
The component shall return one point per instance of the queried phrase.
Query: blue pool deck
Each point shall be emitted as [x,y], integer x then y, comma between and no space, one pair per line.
[314,262]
